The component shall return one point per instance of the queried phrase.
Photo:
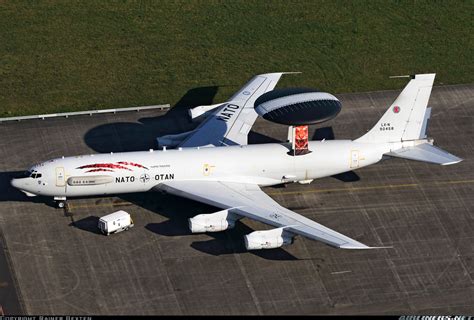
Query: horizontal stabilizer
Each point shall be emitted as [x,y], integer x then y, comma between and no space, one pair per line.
[427,153]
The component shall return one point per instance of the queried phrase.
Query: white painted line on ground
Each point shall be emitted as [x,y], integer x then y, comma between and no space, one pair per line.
[340,272]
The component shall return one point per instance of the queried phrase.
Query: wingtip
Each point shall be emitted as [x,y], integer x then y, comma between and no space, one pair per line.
[363,247]
[279,74]
[452,162]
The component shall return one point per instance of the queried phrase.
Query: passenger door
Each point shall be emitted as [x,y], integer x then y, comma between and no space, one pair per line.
[60,178]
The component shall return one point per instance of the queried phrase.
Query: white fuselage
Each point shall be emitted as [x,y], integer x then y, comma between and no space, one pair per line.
[264,164]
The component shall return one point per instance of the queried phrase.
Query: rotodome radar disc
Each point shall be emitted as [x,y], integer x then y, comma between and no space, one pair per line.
[297,106]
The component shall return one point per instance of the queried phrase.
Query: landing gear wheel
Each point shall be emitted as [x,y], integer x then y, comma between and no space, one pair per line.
[61,204]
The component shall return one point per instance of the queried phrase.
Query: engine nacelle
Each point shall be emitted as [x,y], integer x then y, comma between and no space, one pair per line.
[269,239]
[214,222]
[201,112]
[172,140]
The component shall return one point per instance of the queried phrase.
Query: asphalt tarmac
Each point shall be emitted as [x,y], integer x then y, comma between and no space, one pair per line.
[55,261]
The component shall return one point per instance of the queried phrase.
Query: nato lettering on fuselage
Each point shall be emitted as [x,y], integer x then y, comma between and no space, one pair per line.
[124,179]
[164,176]
[228,112]
[158,177]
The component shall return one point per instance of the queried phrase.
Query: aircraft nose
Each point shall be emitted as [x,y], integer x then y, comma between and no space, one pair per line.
[15,183]
[19,183]
[23,185]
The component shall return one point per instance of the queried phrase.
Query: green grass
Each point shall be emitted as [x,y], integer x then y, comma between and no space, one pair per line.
[64,56]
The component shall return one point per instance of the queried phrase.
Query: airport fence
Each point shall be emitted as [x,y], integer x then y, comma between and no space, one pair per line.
[89,112]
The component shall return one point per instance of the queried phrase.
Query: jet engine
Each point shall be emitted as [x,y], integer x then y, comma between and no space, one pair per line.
[172,140]
[269,239]
[214,222]
[201,112]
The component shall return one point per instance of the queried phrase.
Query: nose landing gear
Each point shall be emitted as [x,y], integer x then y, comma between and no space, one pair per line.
[60,202]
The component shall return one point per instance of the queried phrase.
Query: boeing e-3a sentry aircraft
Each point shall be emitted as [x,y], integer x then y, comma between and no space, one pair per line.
[214,164]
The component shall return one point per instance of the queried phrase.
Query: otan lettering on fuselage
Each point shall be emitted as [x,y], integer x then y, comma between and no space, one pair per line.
[164,176]
[228,112]
[124,179]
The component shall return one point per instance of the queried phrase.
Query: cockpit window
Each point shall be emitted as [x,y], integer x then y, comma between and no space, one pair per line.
[30,174]
[35,175]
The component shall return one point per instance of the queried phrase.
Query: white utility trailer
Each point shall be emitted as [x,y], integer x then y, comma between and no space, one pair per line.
[115,222]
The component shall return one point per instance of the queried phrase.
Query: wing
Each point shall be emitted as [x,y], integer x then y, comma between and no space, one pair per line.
[232,121]
[250,201]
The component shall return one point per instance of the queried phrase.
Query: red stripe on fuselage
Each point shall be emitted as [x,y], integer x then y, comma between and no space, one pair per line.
[104,165]
[132,164]
[97,170]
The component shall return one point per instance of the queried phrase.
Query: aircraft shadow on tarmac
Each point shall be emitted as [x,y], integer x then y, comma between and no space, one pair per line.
[132,136]
[8,193]
[179,210]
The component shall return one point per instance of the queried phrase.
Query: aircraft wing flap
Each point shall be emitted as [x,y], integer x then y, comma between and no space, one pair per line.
[250,201]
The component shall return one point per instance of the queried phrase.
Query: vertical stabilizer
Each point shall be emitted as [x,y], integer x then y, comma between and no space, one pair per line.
[406,118]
